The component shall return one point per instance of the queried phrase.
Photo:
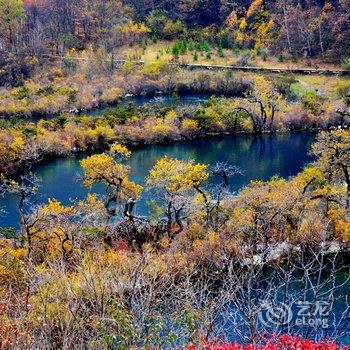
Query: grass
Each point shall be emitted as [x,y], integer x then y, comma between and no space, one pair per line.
[323,85]
[163,50]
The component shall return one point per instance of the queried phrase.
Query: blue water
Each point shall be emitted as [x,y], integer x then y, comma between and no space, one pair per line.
[258,157]
[161,100]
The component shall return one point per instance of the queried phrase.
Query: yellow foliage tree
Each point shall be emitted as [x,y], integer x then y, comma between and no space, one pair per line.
[108,170]
[175,178]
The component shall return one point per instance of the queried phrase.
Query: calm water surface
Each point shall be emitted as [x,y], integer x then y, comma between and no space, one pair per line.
[259,158]
[161,100]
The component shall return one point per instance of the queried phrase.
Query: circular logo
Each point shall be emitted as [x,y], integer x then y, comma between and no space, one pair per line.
[272,315]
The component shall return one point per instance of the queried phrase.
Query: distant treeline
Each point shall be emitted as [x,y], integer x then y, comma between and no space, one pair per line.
[31,28]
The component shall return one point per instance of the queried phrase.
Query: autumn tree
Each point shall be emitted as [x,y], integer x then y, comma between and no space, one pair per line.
[187,194]
[343,108]
[110,170]
[200,13]
[11,12]
[333,152]
[23,190]
[175,180]
[11,16]
[340,29]
[261,105]
[255,28]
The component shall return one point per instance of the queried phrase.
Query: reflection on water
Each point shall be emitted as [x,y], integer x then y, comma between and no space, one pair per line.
[259,158]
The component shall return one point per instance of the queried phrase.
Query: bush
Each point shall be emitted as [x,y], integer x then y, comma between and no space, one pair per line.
[20,93]
[179,48]
[283,85]
[264,56]
[154,39]
[153,70]
[244,59]
[346,63]
[235,49]
[128,67]
[311,101]
[281,57]
[172,29]
[46,90]
[343,91]
[298,119]
[190,127]
[72,95]
[120,115]
[111,95]
[68,65]
[220,51]
[224,41]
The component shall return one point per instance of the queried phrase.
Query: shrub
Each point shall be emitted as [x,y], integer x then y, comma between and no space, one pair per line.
[264,56]
[128,67]
[69,65]
[311,101]
[235,49]
[172,29]
[220,51]
[120,115]
[297,119]
[281,57]
[20,93]
[175,51]
[154,39]
[205,46]
[102,135]
[244,59]
[111,95]
[207,117]
[46,90]
[160,131]
[283,85]
[72,95]
[153,70]
[179,48]
[346,63]
[224,41]
[343,91]
[190,127]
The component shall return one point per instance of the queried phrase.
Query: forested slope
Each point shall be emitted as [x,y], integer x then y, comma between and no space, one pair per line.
[284,28]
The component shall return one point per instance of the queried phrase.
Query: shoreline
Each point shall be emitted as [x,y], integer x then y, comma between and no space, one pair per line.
[74,153]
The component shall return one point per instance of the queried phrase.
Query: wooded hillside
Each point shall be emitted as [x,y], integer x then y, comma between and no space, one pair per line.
[285,28]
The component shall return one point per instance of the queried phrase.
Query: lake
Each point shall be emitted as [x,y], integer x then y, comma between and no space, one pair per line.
[158,99]
[259,158]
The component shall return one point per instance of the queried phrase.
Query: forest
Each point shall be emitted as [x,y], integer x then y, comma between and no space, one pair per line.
[174,175]
[291,29]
